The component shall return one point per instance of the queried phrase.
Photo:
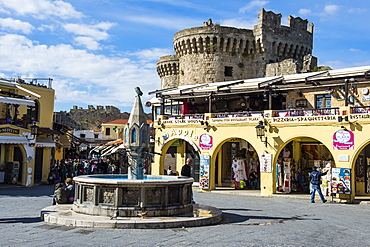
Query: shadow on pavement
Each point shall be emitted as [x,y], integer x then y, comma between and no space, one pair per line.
[16,190]
[230,218]
[20,220]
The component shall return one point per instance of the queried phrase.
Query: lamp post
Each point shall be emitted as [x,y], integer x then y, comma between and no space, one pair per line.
[261,132]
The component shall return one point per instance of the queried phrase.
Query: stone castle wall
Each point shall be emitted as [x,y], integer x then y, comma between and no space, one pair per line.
[214,53]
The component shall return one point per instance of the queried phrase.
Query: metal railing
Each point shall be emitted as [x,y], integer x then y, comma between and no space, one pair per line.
[360,109]
[238,114]
[186,116]
[306,112]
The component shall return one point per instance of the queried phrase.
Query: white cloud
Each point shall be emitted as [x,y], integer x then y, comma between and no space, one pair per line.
[240,23]
[89,30]
[354,50]
[111,79]
[16,25]
[164,22]
[357,10]
[331,9]
[304,11]
[88,42]
[41,9]
[253,4]
[152,54]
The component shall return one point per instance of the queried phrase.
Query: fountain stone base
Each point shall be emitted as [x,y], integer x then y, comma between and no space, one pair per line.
[115,195]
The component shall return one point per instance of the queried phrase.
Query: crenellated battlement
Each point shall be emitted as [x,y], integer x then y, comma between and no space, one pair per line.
[213,52]
[168,70]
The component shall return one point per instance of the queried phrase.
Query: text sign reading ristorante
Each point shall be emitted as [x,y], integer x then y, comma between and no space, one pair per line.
[304,119]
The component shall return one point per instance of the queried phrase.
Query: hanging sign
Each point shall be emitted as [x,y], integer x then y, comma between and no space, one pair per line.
[206,142]
[341,180]
[343,140]
[265,162]
[205,162]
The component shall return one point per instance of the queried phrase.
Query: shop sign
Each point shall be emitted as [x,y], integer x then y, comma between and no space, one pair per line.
[206,142]
[9,130]
[265,162]
[341,180]
[343,140]
[205,162]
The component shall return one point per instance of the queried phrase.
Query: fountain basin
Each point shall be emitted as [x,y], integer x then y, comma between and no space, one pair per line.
[108,195]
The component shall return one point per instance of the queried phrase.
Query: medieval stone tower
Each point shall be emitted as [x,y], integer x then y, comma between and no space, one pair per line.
[214,53]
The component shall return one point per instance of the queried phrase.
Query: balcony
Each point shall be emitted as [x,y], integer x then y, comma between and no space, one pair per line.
[275,116]
[19,123]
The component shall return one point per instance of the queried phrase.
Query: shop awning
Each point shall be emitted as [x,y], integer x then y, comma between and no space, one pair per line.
[45,142]
[119,147]
[28,91]
[16,101]
[13,140]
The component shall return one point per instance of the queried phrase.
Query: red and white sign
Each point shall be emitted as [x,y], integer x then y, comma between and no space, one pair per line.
[205,141]
[343,140]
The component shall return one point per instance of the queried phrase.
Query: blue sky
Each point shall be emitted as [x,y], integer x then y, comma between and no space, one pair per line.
[97,51]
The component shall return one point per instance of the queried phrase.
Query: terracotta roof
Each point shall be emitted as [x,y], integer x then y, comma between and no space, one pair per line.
[117,121]
[115,142]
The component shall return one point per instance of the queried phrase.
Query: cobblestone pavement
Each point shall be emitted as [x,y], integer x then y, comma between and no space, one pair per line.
[247,221]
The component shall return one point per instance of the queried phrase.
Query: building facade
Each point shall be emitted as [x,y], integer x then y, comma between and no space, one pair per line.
[26,135]
[279,126]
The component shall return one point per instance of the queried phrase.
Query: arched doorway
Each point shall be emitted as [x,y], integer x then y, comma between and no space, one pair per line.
[295,161]
[179,149]
[237,165]
[362,172]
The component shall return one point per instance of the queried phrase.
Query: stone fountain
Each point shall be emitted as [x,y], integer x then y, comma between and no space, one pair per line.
[134,194]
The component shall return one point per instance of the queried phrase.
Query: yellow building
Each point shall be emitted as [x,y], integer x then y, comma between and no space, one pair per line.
[26,135]
[279,126]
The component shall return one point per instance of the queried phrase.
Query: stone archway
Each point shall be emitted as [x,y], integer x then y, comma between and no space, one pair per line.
[294,161]
[233,160]
[175,151]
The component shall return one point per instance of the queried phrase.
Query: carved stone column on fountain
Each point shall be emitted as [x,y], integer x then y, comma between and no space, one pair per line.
[136,138]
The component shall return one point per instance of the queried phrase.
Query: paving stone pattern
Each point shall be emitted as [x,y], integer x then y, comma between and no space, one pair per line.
[247,221]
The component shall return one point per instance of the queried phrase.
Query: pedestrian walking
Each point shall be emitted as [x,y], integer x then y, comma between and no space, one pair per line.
[315,179]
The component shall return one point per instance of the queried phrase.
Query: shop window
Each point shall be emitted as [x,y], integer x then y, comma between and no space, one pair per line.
[107,131]
[301,103]
[323,101]
[228,71]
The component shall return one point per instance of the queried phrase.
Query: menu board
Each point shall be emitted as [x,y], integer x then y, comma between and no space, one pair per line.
[265,162]
[341,180]
[205,161]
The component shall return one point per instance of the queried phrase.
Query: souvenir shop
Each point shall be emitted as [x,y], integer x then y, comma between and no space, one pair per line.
[245,172]
[295,163]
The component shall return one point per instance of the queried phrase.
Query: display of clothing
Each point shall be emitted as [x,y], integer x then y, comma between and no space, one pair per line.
[238,166]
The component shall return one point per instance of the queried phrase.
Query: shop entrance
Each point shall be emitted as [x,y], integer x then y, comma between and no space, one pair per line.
[178,149]
[295,162]
[362,172]
[237,165]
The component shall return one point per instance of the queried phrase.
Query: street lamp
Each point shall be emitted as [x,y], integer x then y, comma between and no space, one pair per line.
[34,130]
[261,132]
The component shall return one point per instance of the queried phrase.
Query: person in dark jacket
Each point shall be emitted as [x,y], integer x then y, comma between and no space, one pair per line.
[186,172]
[186,169]
[315,179]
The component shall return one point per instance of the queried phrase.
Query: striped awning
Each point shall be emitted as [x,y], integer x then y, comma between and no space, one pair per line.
[13,140]
[16,101]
